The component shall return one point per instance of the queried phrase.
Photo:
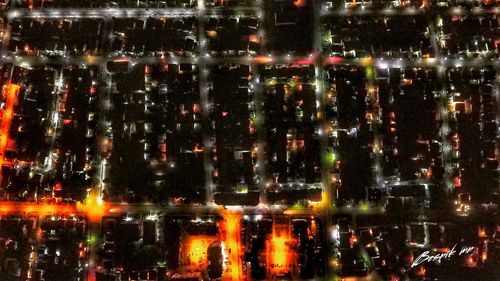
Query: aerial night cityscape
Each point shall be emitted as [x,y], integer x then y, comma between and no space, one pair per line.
[239,140]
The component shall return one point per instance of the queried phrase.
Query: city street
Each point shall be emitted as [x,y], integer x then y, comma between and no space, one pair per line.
[248,139]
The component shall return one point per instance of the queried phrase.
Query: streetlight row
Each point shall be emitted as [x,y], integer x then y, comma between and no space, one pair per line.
[237,11]
[126,12]
[313,59]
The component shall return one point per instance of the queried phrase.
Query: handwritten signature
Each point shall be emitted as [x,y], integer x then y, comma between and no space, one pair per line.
[426,257]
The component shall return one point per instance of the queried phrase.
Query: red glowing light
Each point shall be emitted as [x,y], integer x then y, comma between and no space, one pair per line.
[305,61]
[57,187]
[334,60]
[196,108]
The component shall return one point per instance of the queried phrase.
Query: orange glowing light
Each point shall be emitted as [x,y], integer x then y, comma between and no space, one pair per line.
[263,59]
[484,256]
[470,261]
[194,251]
[282,255]
[198,251]
[94,206]
[232,245]
[10,94]
[314,227]
[212,33]
[5,208]
[48,209]
[323,203]
[353,240]
[428,173]
[121,60]
[482,233]
[421,271]
[254,39]
[279,251]
[299,3]
[29,209]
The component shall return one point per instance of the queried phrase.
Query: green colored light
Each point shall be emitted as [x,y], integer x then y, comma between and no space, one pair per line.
[369,72]
[327,38]
[91,239]
[330,158]
[271,82]
[256,119]
[364,207]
